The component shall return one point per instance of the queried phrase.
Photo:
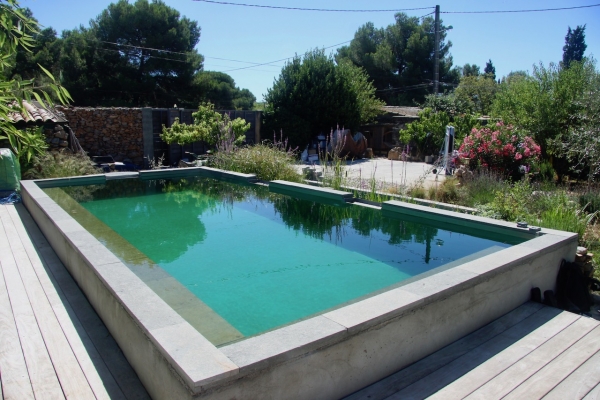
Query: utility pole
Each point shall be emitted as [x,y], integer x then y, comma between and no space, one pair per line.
[436,50]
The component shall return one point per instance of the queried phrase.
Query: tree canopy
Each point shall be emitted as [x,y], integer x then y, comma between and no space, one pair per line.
[119,60]
[490,70]
[133,54]
[220,89]
[581,145]
[400,58]
[574,45]
[546,102]
[476,93]
[470,70]
[313,95]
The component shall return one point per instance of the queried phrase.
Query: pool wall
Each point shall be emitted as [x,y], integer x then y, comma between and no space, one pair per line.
[324,357]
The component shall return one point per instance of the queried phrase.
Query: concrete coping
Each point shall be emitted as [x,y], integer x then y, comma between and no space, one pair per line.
[464,220]
[197,171]
[425,202]
[122,175]
[304,191]
[96,179]
[227,175]
[201,365]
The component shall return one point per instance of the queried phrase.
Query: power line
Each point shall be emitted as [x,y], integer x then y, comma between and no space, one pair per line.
[144,48]
[518,11]
[229,66]
[283,59]
[157,58]
[228,59]
[178,52]
[307,9]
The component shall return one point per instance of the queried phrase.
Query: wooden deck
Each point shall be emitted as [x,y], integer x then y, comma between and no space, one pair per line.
[533,352]
[52,343]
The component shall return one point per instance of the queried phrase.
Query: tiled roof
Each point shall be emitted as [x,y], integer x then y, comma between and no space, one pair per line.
[404,111]
[35,114]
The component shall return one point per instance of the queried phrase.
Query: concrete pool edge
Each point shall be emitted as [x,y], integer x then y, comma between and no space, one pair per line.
[135,316]
[253,367]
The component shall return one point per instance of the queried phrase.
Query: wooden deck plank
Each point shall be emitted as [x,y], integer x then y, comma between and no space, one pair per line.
[470,381]
[538,385]
[426,366]
[117,375]
[72,379]
[14,377]
[69,356]
[90,362]
[506,381]
[39,365]
[460,377]
[580,382]
[594,394]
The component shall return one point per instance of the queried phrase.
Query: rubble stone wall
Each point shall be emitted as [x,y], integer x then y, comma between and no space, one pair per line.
[108,131]
[57,138]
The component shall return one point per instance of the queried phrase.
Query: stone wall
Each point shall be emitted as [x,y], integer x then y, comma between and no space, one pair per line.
[108,131]
[57,138]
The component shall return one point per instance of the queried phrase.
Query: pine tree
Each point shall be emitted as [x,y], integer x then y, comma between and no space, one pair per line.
[574,45]
[490,70]
[470,70]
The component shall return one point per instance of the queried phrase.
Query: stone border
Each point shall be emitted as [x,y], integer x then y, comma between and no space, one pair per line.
[98,179]
[327,356]
[197,171]
[314,192]
[415,200]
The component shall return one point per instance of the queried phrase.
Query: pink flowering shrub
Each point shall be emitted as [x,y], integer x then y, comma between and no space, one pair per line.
[503,149]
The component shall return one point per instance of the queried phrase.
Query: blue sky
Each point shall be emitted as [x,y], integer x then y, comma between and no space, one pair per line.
[513,41]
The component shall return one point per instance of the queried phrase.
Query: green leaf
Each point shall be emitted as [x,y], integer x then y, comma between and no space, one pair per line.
[38,98]
[47,72]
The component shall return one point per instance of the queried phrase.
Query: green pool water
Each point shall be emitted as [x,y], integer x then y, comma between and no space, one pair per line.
[261,260]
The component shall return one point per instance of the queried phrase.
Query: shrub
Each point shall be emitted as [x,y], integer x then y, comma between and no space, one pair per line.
[313,93]
[417,192]
[31,143]
[554,209]
[481,188]
[590,201]
[545,172]
[429,131]
[59,165]
[514,202]
[565,216]
[446,192]
[505,150]
[269,161]
[209,126]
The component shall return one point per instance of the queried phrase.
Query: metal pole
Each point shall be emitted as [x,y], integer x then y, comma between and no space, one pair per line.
[436,50]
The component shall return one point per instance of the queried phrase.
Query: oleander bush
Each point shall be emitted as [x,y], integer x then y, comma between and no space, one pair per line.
[503,149]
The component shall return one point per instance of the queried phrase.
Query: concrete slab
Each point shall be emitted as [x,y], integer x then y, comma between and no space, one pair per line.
[283,344]
[358,173]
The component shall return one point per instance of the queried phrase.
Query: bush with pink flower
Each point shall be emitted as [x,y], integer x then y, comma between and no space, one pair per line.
[502,148]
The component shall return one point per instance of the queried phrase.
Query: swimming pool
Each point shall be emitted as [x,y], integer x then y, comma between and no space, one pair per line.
[326,354]
[257,260]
